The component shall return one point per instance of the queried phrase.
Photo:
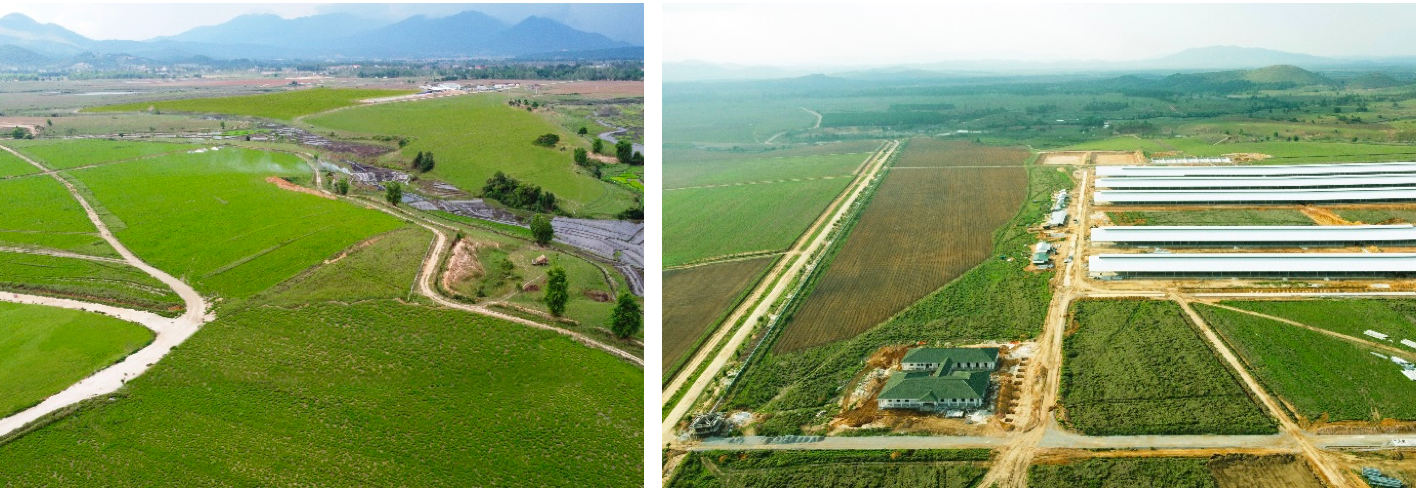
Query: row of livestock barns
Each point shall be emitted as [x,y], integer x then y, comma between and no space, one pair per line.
[1258,251]
[1257,184]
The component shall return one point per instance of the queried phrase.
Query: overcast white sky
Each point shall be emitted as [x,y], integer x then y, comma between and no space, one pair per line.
[883,33]
[621,22]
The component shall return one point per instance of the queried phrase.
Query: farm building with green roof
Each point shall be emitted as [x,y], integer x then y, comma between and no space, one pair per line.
[938,379]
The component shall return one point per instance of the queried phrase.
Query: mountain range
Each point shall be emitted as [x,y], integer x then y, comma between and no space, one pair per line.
[1194,59]
[469,34]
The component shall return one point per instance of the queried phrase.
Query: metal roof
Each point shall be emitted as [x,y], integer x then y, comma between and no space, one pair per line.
[1255,170]
[1257,182]
[1249,234]
[1258,195]
[1254,262]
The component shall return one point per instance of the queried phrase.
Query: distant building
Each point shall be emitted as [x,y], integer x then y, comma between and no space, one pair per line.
[933,379]
[1042,254]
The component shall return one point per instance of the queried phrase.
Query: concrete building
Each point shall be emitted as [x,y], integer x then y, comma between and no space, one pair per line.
[1252,265]
[940,379]
[1255,236]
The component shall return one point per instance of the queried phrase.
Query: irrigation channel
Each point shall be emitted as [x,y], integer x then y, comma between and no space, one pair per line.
[609,136]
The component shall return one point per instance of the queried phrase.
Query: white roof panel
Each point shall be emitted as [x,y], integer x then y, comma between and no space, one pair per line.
[1255,170]
[1257,195]
[1254,262]
[1250,234]
[1256,182]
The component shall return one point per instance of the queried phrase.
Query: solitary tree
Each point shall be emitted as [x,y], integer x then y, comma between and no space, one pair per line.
[541,229]
[342,186]
[393,193]
[628,316]
[624,151]
[581,157]
[583,131]
[547,140]
[557,290]
[598,146]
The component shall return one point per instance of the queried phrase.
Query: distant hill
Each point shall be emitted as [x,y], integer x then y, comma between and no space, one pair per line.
[469,34]
[12,55]
[1284,74]
[1374,80]
[1233,57]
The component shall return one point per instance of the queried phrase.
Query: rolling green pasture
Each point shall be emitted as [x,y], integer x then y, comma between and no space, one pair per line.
[1210,217]
[44,350]
[1124,473]
[1346,316]
[11,165]
[1315,373]
[44,214]
[695,167]
[381,266]
[916,468]
[212,219]
[87,280]
[584,277]
[1122,143]
[279,105]
[1139,367]
[84,124]
[61,154]
[725,122]
[716,221]
[373,393]
[475,136]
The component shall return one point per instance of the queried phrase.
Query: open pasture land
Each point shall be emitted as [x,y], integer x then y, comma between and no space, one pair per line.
[11,165]
[475,136]
[997,300]
[374,393]
[1139,367]
[119,285]
[718,221]
[919,468]
[70,153]
[931,152]
[285,104]
[696,167]
[1211,217]
[44,350]
[381,266]
[692,118]
[213,219]
[1316,375]
[591,293]
[1220,470]
[41,213]
[698,298]
[1346,316]
[1377,216]
[922,228]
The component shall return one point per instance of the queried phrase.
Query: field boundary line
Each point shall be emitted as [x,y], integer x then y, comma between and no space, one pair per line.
[1330,333]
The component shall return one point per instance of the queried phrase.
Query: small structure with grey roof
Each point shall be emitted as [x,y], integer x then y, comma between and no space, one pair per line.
[1056,219]
[1266,265]
[933,379]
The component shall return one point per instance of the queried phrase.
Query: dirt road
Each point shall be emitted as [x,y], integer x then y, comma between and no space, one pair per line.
[805,248]
[171,332]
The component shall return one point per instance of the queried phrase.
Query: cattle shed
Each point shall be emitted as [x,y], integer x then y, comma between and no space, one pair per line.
[1286,182]
[1252,265]
[1256,196]
[1256,236]
[1257,170]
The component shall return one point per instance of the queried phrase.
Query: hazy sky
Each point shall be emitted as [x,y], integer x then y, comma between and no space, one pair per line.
[882,33]
[621,22]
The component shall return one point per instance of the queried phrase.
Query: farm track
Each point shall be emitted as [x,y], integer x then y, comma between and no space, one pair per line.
[170,332]
[760,301]
[63,254]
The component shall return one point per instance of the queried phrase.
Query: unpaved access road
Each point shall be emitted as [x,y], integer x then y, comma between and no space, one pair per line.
[171,332]
[805,248]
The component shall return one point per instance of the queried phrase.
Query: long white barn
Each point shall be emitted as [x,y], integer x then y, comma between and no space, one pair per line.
[1257,170]
[1255,236]
[1256,196]
[1284,182]
[1120,266]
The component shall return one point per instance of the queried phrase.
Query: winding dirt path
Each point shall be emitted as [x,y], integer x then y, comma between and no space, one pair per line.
[171,332]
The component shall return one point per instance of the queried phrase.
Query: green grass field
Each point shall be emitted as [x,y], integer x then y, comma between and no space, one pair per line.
[1316,374]
[44,350]
[86,280]
[11,165]
[381,266]
[1124,473]
[60,154]
[1139,367]
[697,299]
[279,105]
[717,221]
[46,216]
[1121,143]
[1210,217]
[475,136]
[213,219]
[1374,216]
[1346,316]
[688,168]
[919,468]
